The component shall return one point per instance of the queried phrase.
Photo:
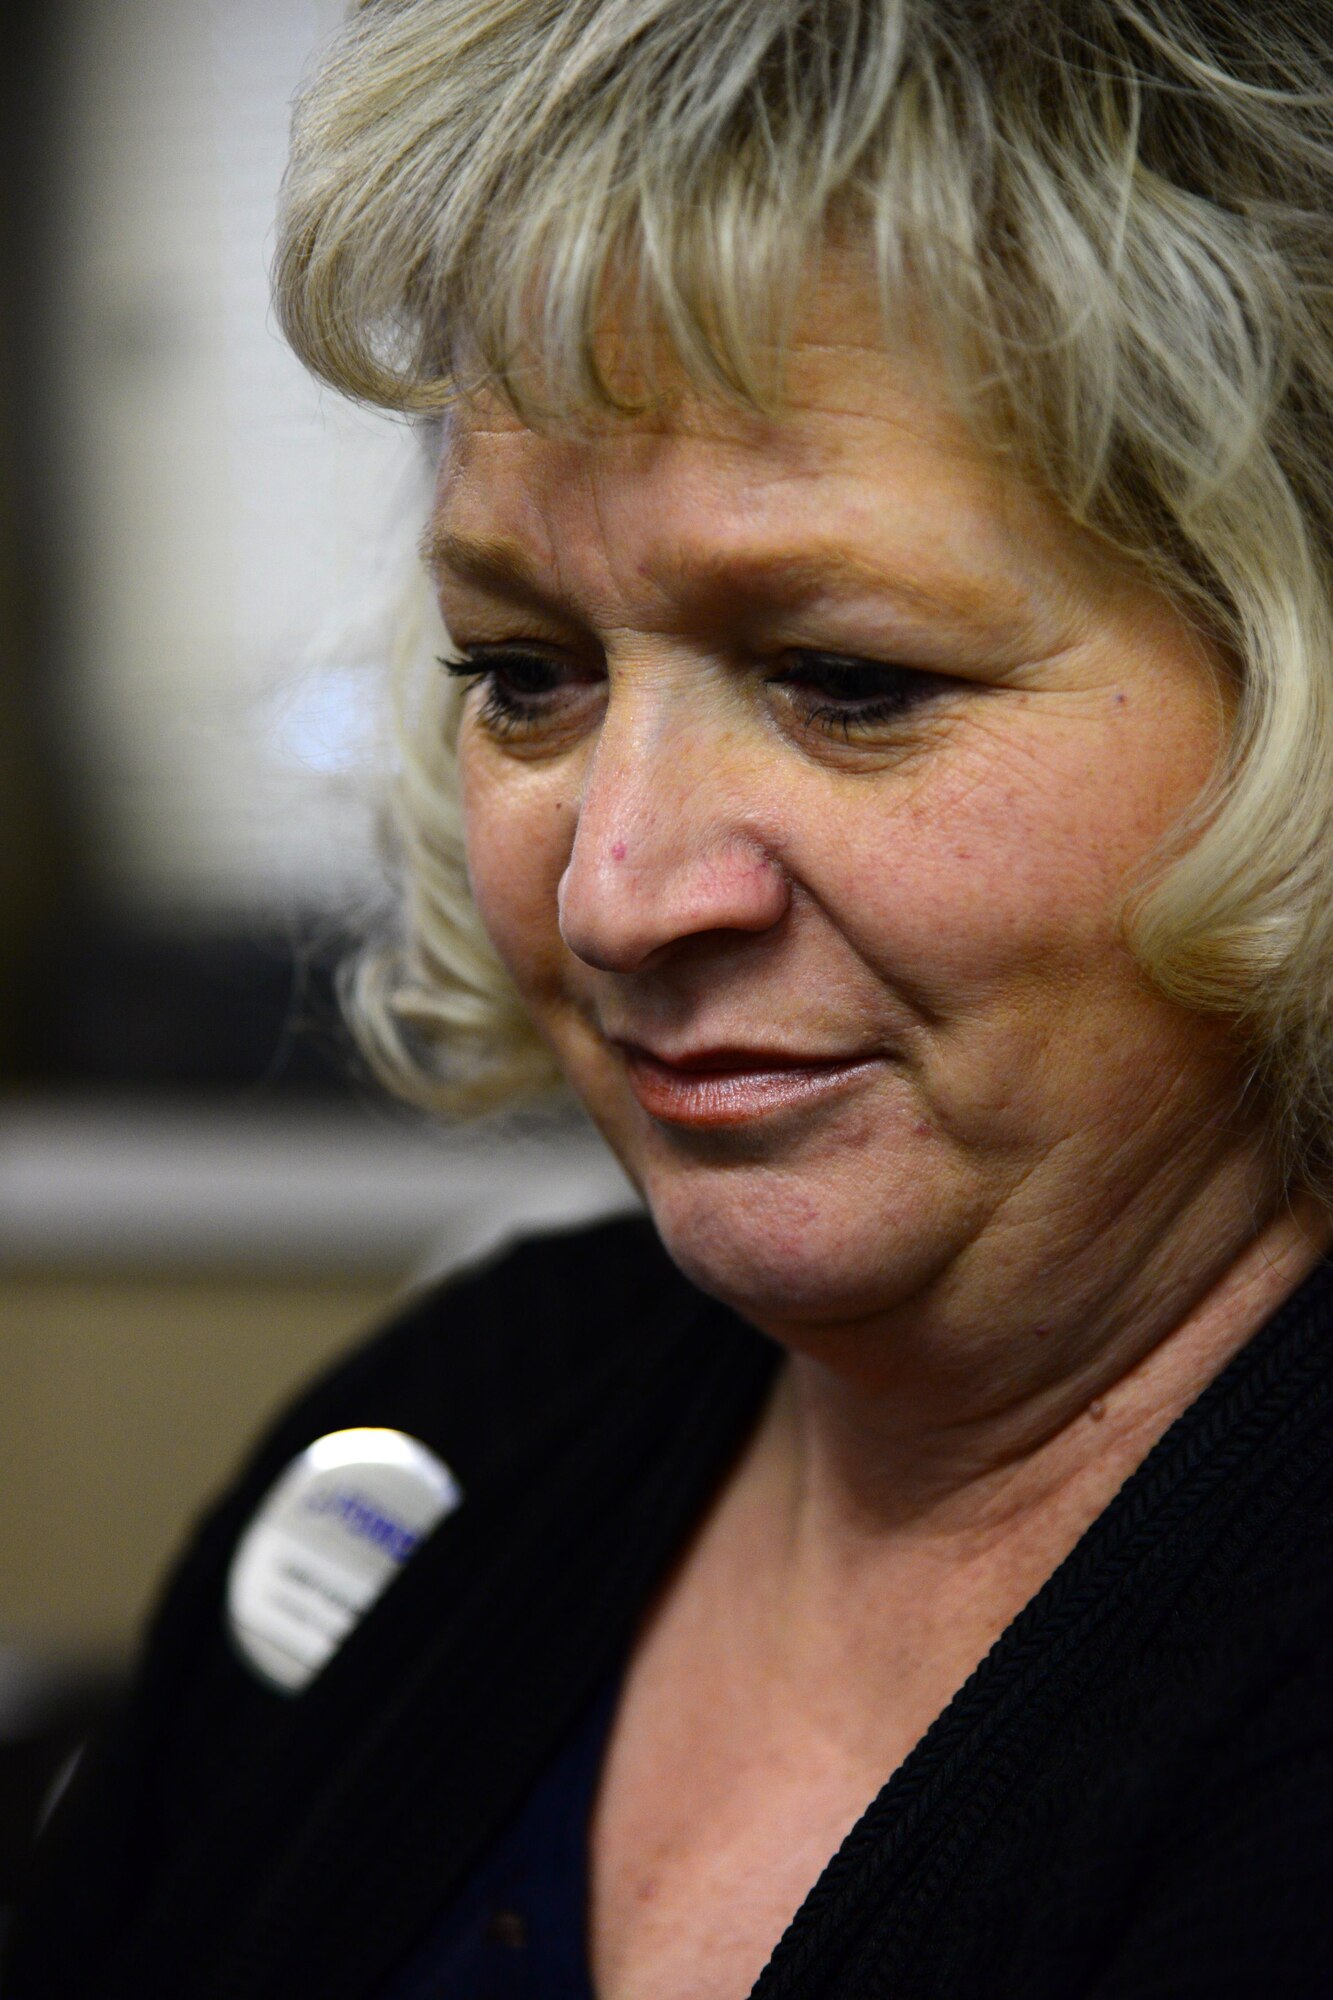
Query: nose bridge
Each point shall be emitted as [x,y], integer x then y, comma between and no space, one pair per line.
[667,845]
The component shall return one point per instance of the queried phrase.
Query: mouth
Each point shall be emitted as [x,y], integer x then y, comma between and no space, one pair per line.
[714,1088]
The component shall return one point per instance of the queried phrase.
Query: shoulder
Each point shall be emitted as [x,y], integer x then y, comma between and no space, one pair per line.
[474,1369]
[485,1370]
[470,1363]
[1228,1871]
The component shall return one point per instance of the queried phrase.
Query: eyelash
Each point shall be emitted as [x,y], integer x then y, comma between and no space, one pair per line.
[504,711]
[885,692]
[501,713]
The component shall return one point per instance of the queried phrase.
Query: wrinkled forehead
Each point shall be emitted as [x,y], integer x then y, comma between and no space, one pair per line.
[845,396]
[836,341]
[866,456]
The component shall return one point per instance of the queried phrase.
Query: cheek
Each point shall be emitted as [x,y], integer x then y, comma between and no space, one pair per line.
[1010,869]
[953,894]
[517,831]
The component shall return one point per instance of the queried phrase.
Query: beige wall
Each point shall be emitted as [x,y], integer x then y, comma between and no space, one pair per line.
[171,1271]
[124,1402]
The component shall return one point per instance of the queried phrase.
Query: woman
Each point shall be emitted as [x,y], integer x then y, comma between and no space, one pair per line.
[885,534]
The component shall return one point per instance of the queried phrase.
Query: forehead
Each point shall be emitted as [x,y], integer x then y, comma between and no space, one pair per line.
[836,371]
[865,458]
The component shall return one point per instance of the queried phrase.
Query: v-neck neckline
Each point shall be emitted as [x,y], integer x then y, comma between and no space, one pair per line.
[939,1797]
[371,1797]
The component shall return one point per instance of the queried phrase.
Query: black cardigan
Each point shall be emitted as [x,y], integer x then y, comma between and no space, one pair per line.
[1132,1796]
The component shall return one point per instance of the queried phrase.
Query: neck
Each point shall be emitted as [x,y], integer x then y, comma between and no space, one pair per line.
[867,1557]
[970,1456]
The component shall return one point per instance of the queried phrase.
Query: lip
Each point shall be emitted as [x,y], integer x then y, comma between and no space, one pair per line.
[715,1088]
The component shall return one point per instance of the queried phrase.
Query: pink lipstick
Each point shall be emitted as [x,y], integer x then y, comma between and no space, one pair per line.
[720,1087]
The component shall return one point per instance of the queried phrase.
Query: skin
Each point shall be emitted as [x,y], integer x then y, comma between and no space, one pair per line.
[1007,1218]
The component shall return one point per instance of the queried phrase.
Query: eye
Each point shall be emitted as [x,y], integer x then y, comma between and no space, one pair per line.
[840,692]
[521,686]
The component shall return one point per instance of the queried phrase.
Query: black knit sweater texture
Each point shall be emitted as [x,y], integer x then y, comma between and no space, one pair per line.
[1131,1798]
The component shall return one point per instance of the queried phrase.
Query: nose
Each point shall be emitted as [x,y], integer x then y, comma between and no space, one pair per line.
[664,850]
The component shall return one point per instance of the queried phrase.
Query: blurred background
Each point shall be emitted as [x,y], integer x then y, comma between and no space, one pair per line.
[201,1199]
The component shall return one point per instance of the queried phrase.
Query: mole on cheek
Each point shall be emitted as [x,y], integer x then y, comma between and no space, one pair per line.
[618,851]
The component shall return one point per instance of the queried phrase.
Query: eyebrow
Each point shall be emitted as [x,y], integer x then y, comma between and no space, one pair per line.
[489,561]
[796,577]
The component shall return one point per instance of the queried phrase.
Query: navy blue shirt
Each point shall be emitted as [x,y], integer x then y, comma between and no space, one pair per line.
[517,1930]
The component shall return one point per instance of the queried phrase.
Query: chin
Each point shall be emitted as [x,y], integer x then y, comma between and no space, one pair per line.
[829,1216]
[779,1250]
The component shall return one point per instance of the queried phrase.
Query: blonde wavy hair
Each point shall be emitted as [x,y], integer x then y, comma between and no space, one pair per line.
[1117,219]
